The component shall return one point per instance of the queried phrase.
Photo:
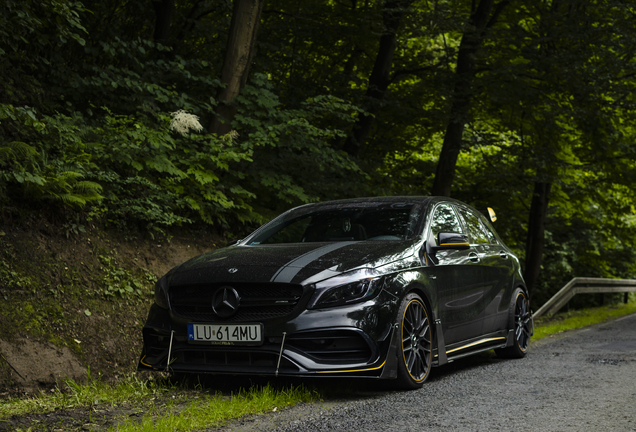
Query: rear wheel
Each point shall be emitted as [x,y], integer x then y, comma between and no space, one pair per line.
[520,322]
[415,348]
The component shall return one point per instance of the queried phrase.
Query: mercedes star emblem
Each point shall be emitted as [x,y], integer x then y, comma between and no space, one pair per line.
[225,302]
[232,270]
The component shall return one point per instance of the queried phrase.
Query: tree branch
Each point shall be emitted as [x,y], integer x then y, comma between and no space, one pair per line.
[499,7]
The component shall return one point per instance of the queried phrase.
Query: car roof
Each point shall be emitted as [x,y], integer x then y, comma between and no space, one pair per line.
[381,199]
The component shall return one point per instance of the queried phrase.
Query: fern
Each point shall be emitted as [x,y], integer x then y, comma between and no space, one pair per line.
[17,152]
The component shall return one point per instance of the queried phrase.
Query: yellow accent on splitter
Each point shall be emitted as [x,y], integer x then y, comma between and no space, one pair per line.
[353,370]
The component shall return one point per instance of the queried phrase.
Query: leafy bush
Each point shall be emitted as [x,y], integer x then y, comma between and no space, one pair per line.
[135,170]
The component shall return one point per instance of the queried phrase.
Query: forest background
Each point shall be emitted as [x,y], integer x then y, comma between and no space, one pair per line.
[526,106]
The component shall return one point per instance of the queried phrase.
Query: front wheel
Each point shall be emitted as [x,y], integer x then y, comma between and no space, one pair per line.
[415,349]
[520,322]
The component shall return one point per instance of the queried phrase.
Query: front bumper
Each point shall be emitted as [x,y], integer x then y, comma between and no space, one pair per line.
[344,341]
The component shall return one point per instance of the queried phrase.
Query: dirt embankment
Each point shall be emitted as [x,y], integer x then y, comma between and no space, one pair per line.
[70,304]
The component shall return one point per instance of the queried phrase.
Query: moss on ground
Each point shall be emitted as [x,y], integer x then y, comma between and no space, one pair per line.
[89,293]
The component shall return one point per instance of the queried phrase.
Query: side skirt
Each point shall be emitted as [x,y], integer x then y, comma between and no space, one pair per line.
[474,346]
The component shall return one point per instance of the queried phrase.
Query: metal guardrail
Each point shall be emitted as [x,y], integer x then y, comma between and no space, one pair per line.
[580,285]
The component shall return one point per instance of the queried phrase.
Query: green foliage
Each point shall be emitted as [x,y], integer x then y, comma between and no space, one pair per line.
[166,407]
[92,393]
[215,410]
[87,90]
[24,22]
[10,277]
[158,178]
[118,282]
[132,169]
[51,169]
[288,144]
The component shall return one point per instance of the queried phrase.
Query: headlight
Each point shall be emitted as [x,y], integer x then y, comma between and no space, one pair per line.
[161,293]
[353,287]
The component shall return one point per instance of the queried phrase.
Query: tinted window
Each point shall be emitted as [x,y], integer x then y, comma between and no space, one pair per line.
[476,231]
[445,220]
[395,221]
[491,235]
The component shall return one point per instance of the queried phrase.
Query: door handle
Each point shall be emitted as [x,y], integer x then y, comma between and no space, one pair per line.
[503,254]
[473,257]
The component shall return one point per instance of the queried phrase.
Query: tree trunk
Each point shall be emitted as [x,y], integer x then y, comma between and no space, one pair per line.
[239,52]
[481,18]
[164,11]
[536,231]
[380,79]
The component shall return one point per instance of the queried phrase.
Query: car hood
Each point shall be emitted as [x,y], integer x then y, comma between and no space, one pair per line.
[298,263]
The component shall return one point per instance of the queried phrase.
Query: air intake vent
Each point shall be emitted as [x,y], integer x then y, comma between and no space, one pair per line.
[337,346]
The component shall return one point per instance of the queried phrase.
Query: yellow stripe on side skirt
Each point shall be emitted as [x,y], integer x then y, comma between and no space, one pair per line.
[475,343]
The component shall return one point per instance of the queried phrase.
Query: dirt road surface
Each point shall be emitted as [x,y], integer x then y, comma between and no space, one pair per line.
[582,380]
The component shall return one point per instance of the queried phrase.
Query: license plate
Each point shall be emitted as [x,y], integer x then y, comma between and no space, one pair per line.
[226,334]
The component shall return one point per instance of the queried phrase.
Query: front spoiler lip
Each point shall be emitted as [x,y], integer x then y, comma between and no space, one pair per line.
[373,369]
[371,373]
[368,372]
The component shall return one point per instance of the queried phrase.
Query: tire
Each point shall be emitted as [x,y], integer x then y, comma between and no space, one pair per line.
[415,349]
[519,321]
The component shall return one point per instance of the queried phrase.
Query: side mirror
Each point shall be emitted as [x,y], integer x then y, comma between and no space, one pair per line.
[447,241]
[451,241]
[232,242]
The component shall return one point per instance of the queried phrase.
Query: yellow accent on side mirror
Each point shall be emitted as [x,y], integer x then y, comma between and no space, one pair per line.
[491,213]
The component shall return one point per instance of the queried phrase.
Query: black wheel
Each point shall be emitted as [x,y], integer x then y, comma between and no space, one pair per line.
[414,351]
[520,322]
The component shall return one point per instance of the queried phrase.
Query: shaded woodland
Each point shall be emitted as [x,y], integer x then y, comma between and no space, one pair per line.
[526,106]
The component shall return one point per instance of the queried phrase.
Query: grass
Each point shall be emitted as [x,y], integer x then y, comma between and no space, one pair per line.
[215,410]
[548,326]
[94,392]
[167,407]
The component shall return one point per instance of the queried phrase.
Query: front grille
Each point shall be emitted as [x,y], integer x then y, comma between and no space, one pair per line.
[258,302]
[335,346]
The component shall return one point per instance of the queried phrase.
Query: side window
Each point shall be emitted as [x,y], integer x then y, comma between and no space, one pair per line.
[445,220]
[476,231]
[491,235]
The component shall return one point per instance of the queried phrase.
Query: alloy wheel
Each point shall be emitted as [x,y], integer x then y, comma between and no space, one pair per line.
[522,322]
[416,340]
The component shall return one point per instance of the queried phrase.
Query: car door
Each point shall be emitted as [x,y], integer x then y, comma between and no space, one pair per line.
[456,278]
[495,267]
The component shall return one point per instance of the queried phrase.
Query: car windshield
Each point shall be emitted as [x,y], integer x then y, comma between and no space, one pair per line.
[370,221]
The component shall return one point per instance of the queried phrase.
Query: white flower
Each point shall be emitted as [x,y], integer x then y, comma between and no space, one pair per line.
[230,136]
[182,122]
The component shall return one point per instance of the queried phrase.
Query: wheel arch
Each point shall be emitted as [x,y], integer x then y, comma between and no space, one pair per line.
[420,289]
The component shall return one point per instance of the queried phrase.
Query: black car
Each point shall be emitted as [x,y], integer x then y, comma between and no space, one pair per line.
[372,287]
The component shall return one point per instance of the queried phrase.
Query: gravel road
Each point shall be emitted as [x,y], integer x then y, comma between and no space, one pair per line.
[584,380]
